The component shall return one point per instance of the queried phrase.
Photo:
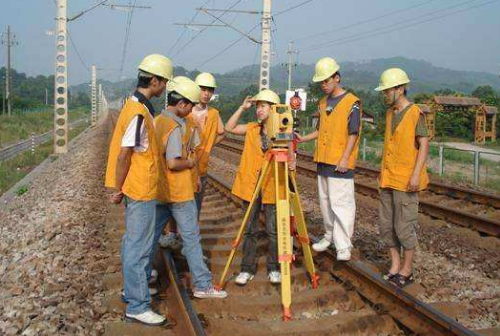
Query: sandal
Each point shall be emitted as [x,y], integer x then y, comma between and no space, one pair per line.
[389,276]
[403,280]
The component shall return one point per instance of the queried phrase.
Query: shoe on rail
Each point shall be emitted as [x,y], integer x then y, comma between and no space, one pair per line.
[154,277]
[210,293]
[243,278]
[322,245]
[149,318]
[344,254]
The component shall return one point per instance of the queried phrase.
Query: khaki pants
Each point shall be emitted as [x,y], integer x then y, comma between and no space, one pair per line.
[398,214]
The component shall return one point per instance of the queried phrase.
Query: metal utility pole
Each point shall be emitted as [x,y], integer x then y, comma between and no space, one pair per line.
[93,90]
[8,40]
[61,81]
[46,96]
[99,102]
[265,53]
[290,63]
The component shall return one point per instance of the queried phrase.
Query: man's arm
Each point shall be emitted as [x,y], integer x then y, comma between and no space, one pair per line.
[423,151]
[220,131]
[232,124]
[173,152]
[354,127]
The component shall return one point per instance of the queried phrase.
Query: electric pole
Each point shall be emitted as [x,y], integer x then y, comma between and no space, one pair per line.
[265,53]
[61,81]
[290,63]
[9,41]
[93,91]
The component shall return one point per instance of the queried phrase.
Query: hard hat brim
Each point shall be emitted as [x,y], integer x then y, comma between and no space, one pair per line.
[383,88]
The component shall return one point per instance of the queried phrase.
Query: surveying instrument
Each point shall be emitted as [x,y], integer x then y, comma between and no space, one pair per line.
[289,215]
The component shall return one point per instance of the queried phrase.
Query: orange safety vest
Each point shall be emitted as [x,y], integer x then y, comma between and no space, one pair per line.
[208,135]
[174,186]
[251,164]
[142,177]
[333,132]
[400,152]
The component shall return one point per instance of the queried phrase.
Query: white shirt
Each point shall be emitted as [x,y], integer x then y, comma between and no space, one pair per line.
[134,138]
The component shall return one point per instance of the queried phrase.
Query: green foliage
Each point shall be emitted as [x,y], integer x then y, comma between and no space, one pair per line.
[22,190]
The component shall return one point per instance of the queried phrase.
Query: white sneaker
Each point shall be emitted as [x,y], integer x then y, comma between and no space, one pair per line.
[344,255]
[210,293]
[154,277]
[148,317]
[243,278]
[322,245]
[170,241]
[274,277]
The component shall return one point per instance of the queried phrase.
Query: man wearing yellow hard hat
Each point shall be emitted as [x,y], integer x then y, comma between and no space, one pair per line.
[403,174]
[176,186]
[336,152]
[132,173]
[211,127]
[252,160]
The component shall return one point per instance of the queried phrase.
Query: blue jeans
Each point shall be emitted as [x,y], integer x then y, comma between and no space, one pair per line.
[186,216]
[137,243]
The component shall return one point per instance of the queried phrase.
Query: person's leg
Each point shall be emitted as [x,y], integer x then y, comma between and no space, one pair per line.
[406,228]
[185,215]
[200,195]
[387,230]
[272,238]
[137,244]
[326,212]
[249,260]
[161,220]
[343,205]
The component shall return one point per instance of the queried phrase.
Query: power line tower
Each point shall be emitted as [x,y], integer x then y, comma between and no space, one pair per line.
[9,40]
[93,90]
[265,51]
[290,64]
[61,81]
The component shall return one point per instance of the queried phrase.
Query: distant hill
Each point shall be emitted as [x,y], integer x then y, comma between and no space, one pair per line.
[357,75]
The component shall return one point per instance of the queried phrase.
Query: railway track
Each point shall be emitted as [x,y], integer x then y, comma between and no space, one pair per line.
[352,298]
[465,207]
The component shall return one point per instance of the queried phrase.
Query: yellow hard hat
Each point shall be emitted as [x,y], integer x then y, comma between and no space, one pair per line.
[185,87]
[267,96]
[391,78]
[157,65]
[206,79]
[325,68]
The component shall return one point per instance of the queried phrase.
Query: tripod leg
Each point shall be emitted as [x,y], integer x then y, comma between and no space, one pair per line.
[285,252]
[303,236]
[244,223]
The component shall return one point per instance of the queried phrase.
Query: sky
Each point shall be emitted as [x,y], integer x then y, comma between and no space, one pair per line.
[456,34]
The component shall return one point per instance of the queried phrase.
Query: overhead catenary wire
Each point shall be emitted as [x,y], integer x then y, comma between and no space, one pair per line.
[181,35]
[362,22]
[398,28]
[127,36]
[82,61]
[205,28]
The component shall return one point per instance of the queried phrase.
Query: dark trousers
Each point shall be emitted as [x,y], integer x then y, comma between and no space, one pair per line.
[249,262]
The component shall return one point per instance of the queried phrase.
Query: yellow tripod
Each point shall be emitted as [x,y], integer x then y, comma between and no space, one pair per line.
[288,211]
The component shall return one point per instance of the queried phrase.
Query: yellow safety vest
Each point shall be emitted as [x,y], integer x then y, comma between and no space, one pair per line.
[251,164]
[142,178]
[333,132]
[174,185]
[400,152]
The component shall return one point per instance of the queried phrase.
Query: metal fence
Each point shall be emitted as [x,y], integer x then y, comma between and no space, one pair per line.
[32,142]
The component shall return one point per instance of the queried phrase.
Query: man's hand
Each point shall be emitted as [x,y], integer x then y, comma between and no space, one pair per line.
[342,166]
[298,137]
[247,103]
[191,162]
[116,197]
[414,183]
